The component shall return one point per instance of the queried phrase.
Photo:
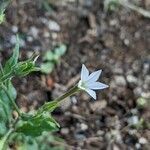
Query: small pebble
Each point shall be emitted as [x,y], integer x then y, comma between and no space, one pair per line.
[132,79]
[84,126]
[126,42]
[100,132]
[29,38]
[64,131]
[53,25]
[34,32]
[13,41]
[142,140]
[133,120]
[15,29]
[120,80]
[138,145]
[74,100]
[113,22]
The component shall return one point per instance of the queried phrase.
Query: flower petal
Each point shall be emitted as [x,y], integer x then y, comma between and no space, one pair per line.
[84,73]
[94,76]
[96,85]
[91,93]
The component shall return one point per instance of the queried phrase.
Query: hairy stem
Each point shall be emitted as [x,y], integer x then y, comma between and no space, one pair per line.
[50,106]
[72,91]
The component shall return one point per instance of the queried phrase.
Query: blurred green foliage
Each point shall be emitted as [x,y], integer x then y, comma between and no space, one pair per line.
[50,58]
[46,141]
[111,5]
[29,126]
[3,5]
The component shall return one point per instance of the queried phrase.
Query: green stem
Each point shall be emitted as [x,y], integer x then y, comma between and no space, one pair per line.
[3,141]
[11,100]
[50,106]
[71,92]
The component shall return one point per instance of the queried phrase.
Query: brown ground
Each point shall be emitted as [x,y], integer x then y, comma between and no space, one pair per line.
[116,42]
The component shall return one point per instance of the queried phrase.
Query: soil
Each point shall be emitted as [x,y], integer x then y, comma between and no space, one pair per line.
[116,42]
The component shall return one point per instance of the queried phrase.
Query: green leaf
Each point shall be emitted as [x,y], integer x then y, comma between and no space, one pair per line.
[11,89]
[3,129]
[29,144]
[61,50]
[48,56]
[3,6]
[47,67]
[58,52]
[55,54]
[5,104]
[51,58]
[3,112]
[38,124]
[13,60]
[24,68]
[22,142]
[47,139]
[111,5]
[2,16]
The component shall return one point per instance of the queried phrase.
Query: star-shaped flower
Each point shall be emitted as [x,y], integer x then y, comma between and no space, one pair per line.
[89,82]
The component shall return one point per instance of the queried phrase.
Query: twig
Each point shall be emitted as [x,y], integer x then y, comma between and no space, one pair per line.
[143,12]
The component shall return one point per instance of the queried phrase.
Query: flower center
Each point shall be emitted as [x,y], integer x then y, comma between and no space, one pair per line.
[82,85]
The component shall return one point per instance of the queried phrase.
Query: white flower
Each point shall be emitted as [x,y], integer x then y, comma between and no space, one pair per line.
[89,82]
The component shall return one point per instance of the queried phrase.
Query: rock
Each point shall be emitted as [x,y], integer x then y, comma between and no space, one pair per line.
[64,131]
[138,146]
[134,111]
[14,29]
[84,126]
[135,66]
[86,3]
[138,91]
[115,147]
[54,35]
[117,69]
[113,135]
[147,4]
[134,120]
[120,80]
[53,25]
[34,32]
[37,95]
[98,105]
[74,100]
[146,67]
[126,42]
[79,136]
[132,79]
[13,41]
[100,132]
[113,22]
[29,38]
[146,95]
[46,34]
[143,140]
